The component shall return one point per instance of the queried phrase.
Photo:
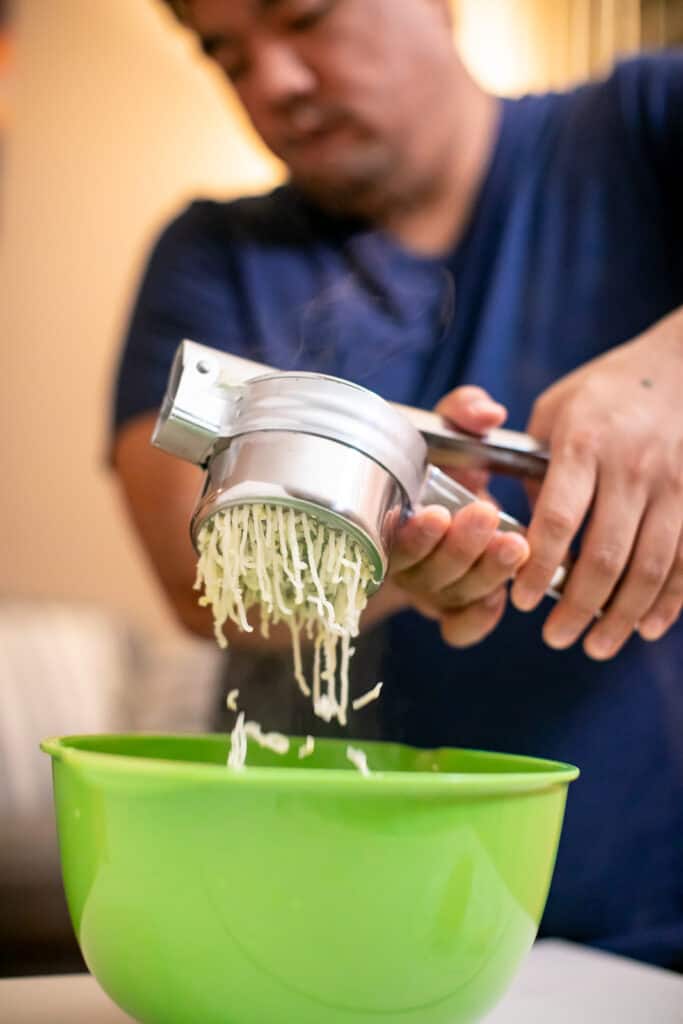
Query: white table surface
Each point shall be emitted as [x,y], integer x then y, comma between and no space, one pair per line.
[559,984]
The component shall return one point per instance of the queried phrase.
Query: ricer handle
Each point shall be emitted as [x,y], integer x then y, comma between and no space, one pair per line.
[440,489]
[499,450]
[205,386]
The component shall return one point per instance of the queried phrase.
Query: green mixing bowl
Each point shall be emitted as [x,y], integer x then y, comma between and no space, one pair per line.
[300,892]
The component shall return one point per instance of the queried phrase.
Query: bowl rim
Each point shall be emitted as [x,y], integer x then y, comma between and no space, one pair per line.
[541,773]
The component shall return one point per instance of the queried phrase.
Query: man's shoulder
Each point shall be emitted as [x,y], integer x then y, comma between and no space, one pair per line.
[628,113]
[635,92]
[640,70]
[280,217]
[664,67]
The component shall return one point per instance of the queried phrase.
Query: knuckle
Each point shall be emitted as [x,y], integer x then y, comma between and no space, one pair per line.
[674,481]
[634,470]
[650,571]
[415,573]
[579,445]
[452,598]
[401,579]
[605,561]
[409,581]
[555,523]
[639,464]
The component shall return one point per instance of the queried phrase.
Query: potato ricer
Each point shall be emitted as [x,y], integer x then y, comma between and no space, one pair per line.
[324,445]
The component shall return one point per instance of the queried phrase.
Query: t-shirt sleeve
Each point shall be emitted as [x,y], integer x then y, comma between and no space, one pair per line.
[650,90]
[187,291]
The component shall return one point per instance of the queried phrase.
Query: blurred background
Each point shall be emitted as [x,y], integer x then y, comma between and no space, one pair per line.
[109,122]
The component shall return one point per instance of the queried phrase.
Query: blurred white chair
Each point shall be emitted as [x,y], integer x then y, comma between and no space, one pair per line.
[68,669]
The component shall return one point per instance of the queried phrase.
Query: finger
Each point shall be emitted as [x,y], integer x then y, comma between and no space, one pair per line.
[472,624]
[468,534]
[472,408]
[417,537]
[667,607]
[646,575]
[605,553]
[661,619]
[503,556]
[561,507]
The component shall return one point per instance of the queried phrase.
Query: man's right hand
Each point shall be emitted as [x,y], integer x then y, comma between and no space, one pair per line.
[454,567]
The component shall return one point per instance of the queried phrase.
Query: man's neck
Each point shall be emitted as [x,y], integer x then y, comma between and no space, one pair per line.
[435,223]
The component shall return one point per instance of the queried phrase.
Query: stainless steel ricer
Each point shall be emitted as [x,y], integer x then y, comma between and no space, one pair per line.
[325,445]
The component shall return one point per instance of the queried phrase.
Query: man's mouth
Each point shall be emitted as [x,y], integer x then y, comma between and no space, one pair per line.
[307,119]
[309,125]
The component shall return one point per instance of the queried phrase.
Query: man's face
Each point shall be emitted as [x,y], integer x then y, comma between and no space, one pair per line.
[348,93]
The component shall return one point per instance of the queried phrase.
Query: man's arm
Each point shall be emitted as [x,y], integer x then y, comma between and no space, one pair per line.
[614,425]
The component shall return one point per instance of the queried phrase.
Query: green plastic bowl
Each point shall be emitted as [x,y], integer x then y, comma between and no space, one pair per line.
[300,892]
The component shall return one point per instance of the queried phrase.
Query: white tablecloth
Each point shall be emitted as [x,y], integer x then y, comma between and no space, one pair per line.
[558,984]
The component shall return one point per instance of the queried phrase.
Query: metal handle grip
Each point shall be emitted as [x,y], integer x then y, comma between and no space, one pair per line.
[204,385]
[501,451]
[440,489]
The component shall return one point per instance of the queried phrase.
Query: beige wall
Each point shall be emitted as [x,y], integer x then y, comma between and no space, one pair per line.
[517,46]
[114,125]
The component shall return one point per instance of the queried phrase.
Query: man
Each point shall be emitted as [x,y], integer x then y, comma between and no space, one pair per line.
[434,240]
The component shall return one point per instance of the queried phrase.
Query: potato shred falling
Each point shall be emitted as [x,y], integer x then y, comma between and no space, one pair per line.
[300,571]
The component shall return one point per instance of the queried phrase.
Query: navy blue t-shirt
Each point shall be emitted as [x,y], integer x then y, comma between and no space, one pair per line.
[575,245]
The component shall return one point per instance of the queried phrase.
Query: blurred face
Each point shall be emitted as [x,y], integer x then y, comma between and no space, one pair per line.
[353,95]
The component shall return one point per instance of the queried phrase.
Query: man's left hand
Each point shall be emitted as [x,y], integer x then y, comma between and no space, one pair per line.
[615,432]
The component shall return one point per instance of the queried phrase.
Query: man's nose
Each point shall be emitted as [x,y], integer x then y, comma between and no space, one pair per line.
[280,75]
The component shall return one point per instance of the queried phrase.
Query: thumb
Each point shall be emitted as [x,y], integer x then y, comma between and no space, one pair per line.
[472,409]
